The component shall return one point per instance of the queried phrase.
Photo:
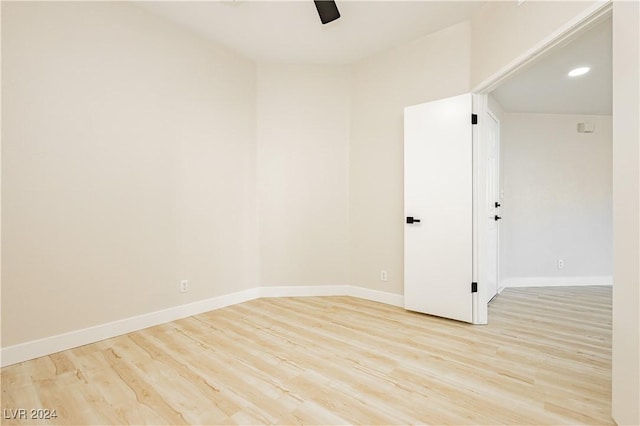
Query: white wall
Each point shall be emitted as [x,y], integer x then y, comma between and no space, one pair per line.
[128,164]
[626,213]
[303,139]
[557,200]
[430,68]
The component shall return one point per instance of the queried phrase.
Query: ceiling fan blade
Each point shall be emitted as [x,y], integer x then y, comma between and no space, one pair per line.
[327,10]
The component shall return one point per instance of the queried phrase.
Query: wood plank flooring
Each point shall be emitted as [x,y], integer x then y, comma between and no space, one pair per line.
[545,358]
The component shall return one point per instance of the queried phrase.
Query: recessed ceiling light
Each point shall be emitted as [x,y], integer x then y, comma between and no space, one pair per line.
[578,71]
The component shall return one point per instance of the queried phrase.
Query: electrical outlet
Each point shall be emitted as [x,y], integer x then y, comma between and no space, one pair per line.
[383,275]
[184,286]
[560,263]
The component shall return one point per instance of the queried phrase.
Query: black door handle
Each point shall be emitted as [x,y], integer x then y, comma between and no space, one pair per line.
[410,219]
[497,204]
[496,218]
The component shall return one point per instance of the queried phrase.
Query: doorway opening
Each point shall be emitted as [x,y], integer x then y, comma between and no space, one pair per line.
[561,236]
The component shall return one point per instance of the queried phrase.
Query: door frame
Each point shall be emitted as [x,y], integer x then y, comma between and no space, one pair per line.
[588,18]
[479,300]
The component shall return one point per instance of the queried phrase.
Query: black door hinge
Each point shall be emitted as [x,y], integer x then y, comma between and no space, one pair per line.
[474,118]
[474,287]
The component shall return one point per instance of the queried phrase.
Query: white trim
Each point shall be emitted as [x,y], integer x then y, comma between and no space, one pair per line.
[479,298]
[476,299]
[376,296]
[334,290]
[556,281]
[303,291]
[49,345]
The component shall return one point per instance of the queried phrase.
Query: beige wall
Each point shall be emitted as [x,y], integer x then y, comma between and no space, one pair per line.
[626,213]
[432,67]
[502,31]
[303,138]
[128,164]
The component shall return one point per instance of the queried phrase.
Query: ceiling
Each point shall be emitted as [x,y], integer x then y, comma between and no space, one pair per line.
[291,32]
[545,87]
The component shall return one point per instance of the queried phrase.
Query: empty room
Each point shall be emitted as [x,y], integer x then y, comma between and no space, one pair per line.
[318,212]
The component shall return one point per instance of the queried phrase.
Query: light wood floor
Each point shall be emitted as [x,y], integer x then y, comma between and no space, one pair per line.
[545,358]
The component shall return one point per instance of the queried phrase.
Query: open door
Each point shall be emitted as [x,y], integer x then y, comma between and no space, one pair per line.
[438,203]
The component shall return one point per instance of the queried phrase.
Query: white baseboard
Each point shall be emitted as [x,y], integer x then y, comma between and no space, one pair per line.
[49,345]
[376,296]
[303,291]
[334,290]
[555,281]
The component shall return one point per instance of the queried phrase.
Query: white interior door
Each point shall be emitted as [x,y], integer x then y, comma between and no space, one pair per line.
[438,192]
[492,206]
